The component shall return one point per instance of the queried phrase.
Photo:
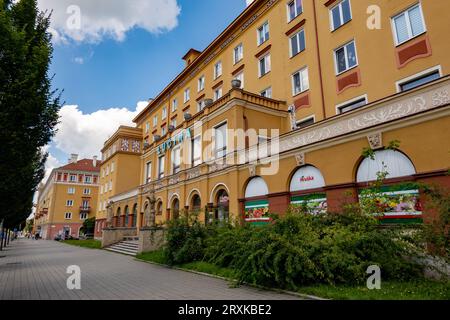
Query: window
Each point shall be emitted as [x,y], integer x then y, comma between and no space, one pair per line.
[294,8]
[176,160]
[240,76]
[73,178]
[87,191]
[71,191]
[340,14]
[110,185]
[200,105]
[305,123]
[345,57]
[163,131]
[418,81]
[174,105]
[161,161]
[68,216]
[164,113]
[201,83]
[408,24]
[196,151]
[297,43]
[220,138]
[112,166]
[187,95]
[147,127]
[173,122]
[88,179]
[85,204]
[300,81]
[148,172]
[101,189]
[263,33]
[107,170]
[155,121]
[264,65]
[69,203]
[352,105]
[217,70]
[238,53]
[83,216]
[267,93]
[217,93]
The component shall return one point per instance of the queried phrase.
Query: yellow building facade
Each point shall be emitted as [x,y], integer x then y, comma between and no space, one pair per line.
[278,108]
[67,199]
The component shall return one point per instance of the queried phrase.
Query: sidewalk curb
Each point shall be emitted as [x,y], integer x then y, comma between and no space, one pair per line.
[300,295]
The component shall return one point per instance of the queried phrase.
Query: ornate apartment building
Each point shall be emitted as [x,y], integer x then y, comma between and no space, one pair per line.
[277,110]
[67,199]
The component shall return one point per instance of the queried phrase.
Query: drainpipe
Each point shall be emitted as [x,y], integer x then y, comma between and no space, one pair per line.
[319,61]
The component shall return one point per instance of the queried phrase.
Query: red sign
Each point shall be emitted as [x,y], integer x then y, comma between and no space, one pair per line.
[306,179]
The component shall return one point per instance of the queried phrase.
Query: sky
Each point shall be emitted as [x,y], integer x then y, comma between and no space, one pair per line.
[111,56]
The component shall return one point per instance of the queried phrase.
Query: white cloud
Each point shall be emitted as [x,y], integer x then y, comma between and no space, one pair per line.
[84,134]
[249,2]
[91,21]
[78,60]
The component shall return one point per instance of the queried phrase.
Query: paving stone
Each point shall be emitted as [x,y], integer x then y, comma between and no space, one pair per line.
[37,270]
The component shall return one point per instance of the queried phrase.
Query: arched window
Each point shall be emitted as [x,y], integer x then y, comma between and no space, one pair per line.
[257,211]
[395,163]
[134,217]
[304,179]
[196,203]
[127,216]
[256,187]
[119,213]
[175,209]
[396,203]
[222,211]
[307,178]
[159,208]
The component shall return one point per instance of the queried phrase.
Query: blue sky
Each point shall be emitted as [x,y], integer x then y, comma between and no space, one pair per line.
[118,74]
[107,70]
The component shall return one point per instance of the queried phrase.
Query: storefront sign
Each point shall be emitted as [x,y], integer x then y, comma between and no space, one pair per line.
[313,203]
[257,211]
[174,141]
[398,205]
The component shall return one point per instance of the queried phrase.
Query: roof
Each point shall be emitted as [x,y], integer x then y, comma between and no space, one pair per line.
[190,52]
[85,165]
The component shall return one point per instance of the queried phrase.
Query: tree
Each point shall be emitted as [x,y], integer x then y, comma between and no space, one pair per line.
[88,226]
[28,106]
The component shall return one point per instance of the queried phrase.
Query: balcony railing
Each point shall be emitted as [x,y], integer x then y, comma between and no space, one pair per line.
[85,209]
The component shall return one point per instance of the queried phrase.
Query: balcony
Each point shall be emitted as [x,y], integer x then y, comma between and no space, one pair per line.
[85,209]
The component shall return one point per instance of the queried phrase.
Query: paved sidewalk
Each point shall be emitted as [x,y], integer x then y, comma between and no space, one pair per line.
[37,270]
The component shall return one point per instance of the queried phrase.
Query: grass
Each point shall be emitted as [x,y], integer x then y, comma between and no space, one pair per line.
[390,290]
[91,244]
[154,256]
[200,266]
[415,290]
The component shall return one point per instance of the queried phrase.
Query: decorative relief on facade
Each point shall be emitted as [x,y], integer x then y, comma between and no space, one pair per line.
[440,98]
[252,170]
[217,166]
[174,180]
[376,116]
[136,146]
[192,174]
[300,159]
[125,145]
[375,141]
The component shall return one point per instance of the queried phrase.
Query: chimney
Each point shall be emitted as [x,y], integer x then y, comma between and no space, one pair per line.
[73,158]
[94,163]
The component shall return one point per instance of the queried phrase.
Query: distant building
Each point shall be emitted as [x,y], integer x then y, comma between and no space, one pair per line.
[68,198]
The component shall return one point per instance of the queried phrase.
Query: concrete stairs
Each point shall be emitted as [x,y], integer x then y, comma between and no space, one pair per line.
[129,247]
